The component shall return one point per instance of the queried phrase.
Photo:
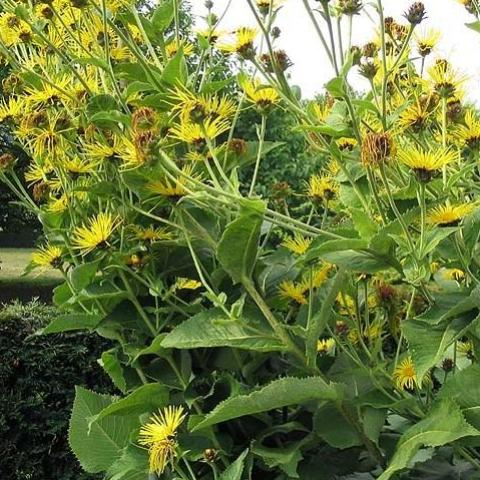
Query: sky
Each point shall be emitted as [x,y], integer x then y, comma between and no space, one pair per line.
[311,69]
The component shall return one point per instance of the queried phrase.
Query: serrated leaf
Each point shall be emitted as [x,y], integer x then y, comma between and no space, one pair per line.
[237,249]
[100,446]
[320,319]
[72,321]
[286,458]
[279,393]
[444,424]
[146,398]
[235,470]
[214,329]
[132,465]
[110,363]
[428,343]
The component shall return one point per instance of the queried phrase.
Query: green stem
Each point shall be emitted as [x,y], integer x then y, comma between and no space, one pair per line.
[261,139]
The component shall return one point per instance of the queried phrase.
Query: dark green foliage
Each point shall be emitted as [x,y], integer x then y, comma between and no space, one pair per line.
[37,378]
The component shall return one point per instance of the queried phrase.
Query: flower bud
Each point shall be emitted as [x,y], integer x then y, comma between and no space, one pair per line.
[416,13]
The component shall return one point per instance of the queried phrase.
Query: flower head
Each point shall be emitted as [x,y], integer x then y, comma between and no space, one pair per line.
[322,187]
[427,41]
[449,215]
[446,81]
[468,135]
[241,43]
[293,291]
[297,244]
[325,345]
[262,96]
[377,148]
[426,162]
[405,376]
[95,233]
[159,436]
[48,256]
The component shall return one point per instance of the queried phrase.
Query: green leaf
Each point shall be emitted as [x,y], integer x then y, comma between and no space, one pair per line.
[320,319]
[72,321]
[175,70]
[364,224]
[111,364]
[98,447]
[146,398]
[214,329]
[428,343]
[330,425]
[444,424]
[101,103]
[132,465]
[278,394]
[336,87]
[163,15]
[464,389]
[237,249]
[286,458]
[82,275]
[235,470]
[475,26]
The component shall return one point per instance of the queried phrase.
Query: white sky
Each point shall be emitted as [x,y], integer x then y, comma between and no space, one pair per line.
[311,69]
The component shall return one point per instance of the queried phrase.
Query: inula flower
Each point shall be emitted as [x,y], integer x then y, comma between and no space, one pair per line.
[48,256]
[158,435]
[293,291]
[377,148]
[241,43]
[405,376]
[95,233]
[297,244]
[449,215]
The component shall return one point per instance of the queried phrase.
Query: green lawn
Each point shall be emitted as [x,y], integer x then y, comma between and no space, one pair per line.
[13,285]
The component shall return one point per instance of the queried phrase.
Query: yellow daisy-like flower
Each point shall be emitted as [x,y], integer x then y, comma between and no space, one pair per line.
[152,234]
[426,162]
[427,41]
[322,187]
[320,111]
[468,135]
[453,274]
[446,81]
[48,256]
[168,187]
[297,244]
[158,435]
[241,43]
[187,284]
[95,233]
[174,46]
[346,143]
[325,345]
[405,376]
[12,109]
[293,291]
[449,215]
[78,166]
[415,116]
[373,331]
[466,349]
[262,96]
[58,205]
[317,278]
[196,134]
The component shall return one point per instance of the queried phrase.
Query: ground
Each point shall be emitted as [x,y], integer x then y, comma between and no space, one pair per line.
[14,285]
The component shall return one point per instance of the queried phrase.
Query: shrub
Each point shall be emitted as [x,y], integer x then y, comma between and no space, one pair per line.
[349,350]
[38,375]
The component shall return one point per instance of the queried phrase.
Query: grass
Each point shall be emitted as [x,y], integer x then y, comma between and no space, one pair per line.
[14,285]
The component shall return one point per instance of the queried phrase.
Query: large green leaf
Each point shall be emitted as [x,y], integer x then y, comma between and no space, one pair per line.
[428,343]
[144,399]
[285,458]
[163,15]
[444,424]
[235,470]
[98,447]
[73,321]
[464,389]
[278,394]
[132,465]
[319,320]
[237,249]
[214,329]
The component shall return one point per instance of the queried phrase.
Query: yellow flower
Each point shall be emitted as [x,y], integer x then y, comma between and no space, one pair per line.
[49,94]
[427,41]
[449,215]
[12,109]
[468,135]
[426,162]
[415,116]
[159,436]
[241,42]
[346,143]
[466,349]
[446,81]
[453,274]
[187,284]
[322,187]
[318,277]
[196,134]
[174,46]
[292,291]
[58,205]
[405,376]
[326,345]
[151,234]
[95,234]
[49,256]
[320,111]
[168,187]
[373,331]
[262,96]
[13,30]
[297,244]
[77,166]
